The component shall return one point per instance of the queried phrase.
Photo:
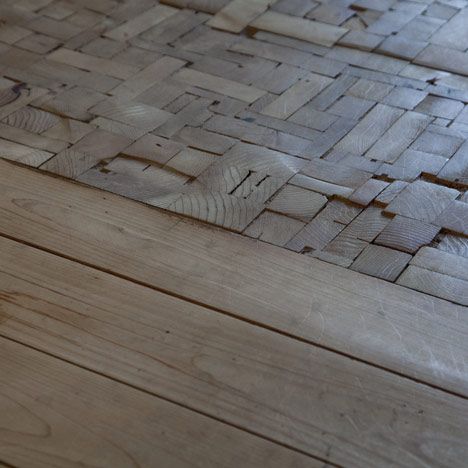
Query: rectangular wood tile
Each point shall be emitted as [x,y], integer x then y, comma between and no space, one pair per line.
[299,28]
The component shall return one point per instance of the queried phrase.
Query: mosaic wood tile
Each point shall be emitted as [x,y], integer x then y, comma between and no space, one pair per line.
[333,128]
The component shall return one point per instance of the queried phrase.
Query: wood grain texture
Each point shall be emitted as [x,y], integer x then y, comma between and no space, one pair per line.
[224,367]
[44,402]
[268,281]
[220,85]
[312,31]
[237,14]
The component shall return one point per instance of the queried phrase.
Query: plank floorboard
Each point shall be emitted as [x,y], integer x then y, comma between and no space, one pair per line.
[391,326]
[287,391]
[56,414]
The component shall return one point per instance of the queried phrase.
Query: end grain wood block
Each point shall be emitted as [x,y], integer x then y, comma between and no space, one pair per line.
[454,217]
[436,284]
[422,201]
[299,28]
[296,96]
[85,154]
[407,234]
[131,113]
[91,63]
[381,262]
[274,228]
[442,262]
[213,83]
[218,208]
[141,23]
[298,202]
[237,14]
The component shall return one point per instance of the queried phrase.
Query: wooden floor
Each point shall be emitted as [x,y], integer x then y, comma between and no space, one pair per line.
[132,337]
[333,128]
[233,233]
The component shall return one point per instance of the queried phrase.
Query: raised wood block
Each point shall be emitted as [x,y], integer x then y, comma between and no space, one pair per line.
[299,28]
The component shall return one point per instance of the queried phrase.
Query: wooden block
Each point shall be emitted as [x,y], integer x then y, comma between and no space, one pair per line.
[453,33]
[207,6]
[258,186]
[350,107]
[147,77]
[154,148]
[259,135]
[230,88]
[371,90]
[91,63]
[443,145]
[69,130]
[141,23]
[80,157]
[320,186]
[436,284]
[381,262]
[406,98]
[451,243]
[296,96]
[367,225]
[454,217]
[135,114]
[297,202]
[335,173]
[457,167]
[136,180]
[440,107]
[398,137]
[407,234]
[274,228]
[218,208]
[237,14]
[191,162]
[346,246]
[204,140]
[369,129]
[442,262]
[443,58]
[32,140]
[299,28]
[424,162]
[368,191]
[24,154]
[422,200]
[31,119]
[254,158]
[120,128]
[324,227]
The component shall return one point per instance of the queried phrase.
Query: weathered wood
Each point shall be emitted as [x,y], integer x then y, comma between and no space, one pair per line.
[268,281]
[123,425]
[208,362]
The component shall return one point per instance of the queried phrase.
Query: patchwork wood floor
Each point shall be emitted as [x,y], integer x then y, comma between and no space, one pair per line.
[336,129]
[133,337]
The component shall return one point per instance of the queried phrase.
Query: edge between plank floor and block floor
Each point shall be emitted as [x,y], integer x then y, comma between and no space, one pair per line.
[293,393]
[389,326]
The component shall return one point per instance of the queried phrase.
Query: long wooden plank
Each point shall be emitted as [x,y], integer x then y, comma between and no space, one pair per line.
[391,326]
[56,414]
[312,399]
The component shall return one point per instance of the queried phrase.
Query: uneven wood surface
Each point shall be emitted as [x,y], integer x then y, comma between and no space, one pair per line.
[392,327]
[184,359]
[215,109]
